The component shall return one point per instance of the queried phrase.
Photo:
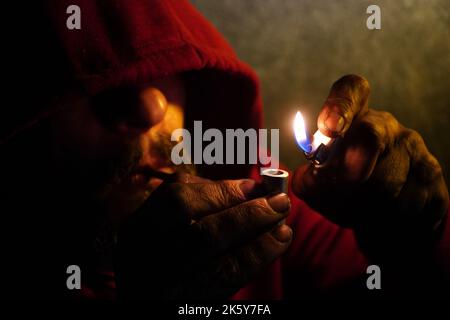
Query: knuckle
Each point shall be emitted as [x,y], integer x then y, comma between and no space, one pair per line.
[243,216]
[429,171]
[426,166]
[247,215]
[258,206]
[390,127]
[413,142]
[412,138]
[341,104]
[352,80]
[220,194]
[387,117]
[371,130]
[355,86]
[381,128]
[228,190]
[436,169]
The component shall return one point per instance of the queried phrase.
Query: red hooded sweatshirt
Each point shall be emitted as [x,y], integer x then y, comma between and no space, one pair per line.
[133,41]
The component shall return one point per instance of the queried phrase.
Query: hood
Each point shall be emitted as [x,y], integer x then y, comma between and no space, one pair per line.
[123,42]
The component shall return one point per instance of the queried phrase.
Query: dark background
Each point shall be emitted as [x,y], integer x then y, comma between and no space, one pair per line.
[300,47]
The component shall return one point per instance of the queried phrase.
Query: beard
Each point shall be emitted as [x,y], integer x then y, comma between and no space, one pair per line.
[104,189]
[109,179]
[122,191]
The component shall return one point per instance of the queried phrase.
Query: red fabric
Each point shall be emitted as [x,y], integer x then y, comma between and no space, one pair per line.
[134,41]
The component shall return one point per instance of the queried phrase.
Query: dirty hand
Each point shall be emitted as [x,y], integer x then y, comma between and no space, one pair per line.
[195,238]
[382,181]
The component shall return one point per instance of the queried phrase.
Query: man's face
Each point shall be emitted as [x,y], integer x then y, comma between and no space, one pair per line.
[102,144]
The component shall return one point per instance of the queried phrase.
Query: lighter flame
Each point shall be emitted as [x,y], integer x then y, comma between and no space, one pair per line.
[301,135]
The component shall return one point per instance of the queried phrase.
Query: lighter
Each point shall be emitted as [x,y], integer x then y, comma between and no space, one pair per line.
[275,180]
[320,149]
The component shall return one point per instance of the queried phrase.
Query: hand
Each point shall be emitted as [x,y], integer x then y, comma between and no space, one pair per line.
[382,181]
[199,239]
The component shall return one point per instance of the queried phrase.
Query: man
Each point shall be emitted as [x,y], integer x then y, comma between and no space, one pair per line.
[90,182]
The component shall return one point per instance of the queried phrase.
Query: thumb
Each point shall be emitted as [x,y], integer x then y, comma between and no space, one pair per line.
[348,98]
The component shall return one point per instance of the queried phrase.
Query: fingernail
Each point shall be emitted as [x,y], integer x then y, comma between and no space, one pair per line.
[282,233]
[280,202]
[247,186]
[334,122]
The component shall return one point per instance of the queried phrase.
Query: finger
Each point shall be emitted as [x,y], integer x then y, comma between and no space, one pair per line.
[424,164]
[364,143]
[425,190]
[201,199]
[188,200]
[231,272]
[353,163]
[237,225]
[182,177]
[374,135]
[348,98]
[373,150]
